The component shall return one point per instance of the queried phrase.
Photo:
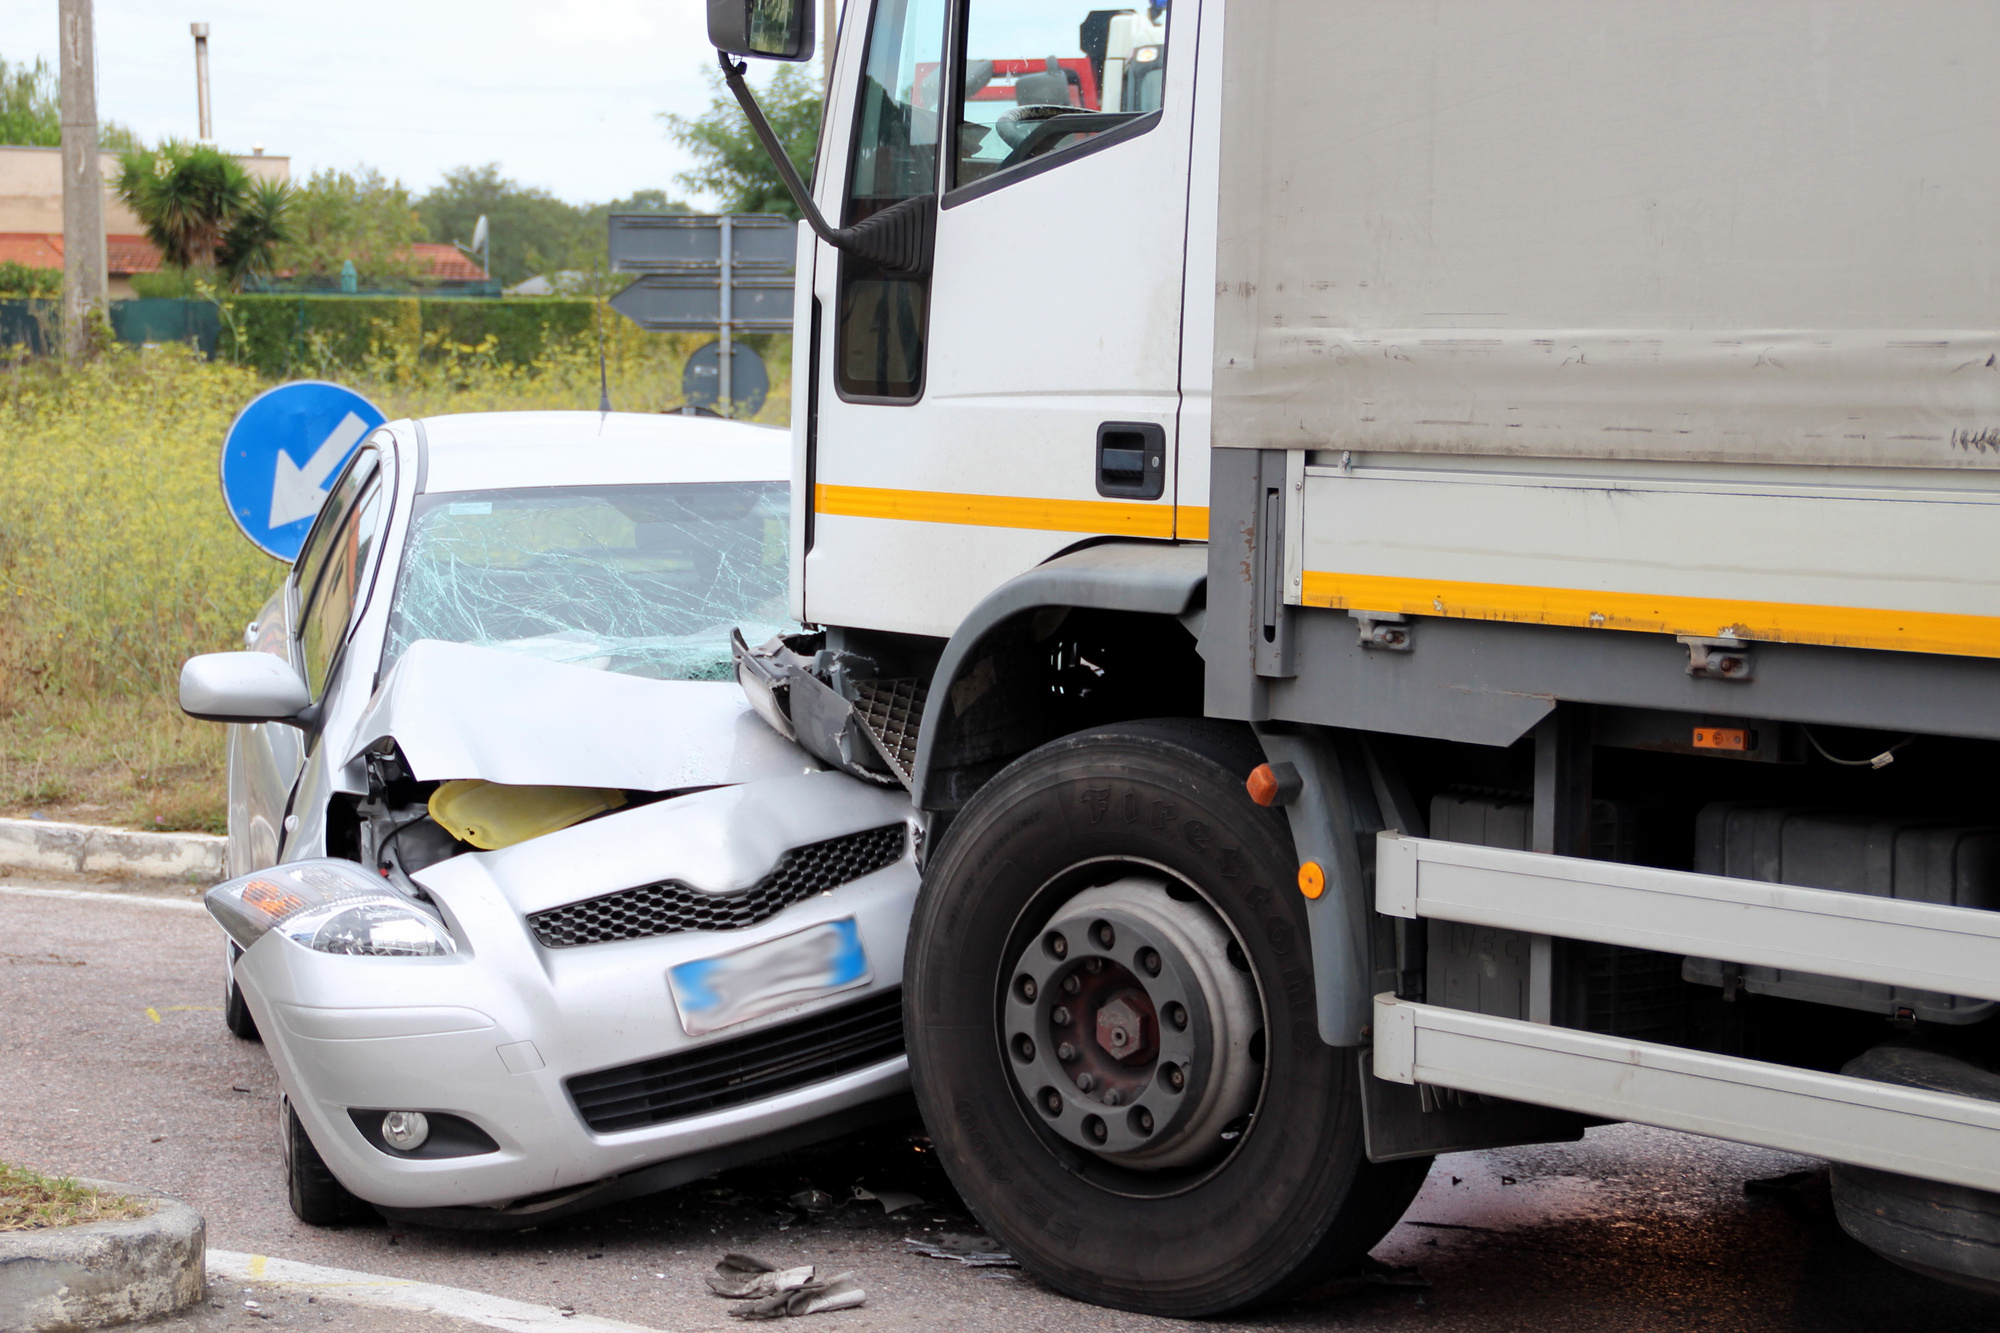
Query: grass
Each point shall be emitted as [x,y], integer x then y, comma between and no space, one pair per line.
[118,560]
[30,1201]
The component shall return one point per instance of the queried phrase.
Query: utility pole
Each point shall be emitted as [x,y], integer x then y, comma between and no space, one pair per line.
[84,278]
[200,31]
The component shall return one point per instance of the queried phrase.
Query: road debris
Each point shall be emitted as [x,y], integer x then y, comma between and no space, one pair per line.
[972,1251]
[779,1293]
[892,1201]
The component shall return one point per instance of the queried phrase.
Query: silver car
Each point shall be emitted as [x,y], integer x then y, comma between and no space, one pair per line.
[530,908]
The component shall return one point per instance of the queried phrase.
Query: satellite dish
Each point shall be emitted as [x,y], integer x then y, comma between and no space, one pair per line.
[479,233]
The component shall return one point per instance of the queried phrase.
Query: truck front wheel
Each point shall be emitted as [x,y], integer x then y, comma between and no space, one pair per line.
[1113,1035]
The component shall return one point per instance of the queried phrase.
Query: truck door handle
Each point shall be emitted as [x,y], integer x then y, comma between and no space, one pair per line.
[1132,460]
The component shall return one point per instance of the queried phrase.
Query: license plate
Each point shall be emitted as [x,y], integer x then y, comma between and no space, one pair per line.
[712,993]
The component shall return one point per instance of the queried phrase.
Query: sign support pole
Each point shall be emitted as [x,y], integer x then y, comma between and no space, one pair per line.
[725,397]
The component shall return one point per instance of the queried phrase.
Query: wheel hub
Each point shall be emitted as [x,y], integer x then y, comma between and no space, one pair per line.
[1128,1029]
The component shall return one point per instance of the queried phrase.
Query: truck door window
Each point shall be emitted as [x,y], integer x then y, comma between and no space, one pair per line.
[879,352]
[1042,78]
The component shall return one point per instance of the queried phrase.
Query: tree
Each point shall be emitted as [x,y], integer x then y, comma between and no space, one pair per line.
[730,163]
[203,210]
[359,215]
[533,232]
[30,114]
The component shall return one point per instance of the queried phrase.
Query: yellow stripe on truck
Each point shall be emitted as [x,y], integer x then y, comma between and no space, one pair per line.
[1111,517]
[1779,622]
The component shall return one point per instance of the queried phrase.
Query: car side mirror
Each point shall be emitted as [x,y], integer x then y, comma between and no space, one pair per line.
[245,687]
[768,29]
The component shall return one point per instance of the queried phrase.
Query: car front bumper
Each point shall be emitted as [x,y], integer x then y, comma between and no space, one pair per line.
[493,1032]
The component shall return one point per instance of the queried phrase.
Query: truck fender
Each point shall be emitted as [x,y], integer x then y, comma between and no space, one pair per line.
[1154,578]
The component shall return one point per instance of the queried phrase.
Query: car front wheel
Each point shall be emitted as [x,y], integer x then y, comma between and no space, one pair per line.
[1113,1033]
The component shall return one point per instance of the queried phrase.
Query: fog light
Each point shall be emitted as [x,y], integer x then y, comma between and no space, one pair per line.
[405,1131]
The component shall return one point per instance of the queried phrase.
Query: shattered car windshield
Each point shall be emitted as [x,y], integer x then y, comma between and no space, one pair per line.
[643,580]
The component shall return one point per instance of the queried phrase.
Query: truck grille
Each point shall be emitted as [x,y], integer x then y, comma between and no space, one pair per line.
[742,1069]
[669,906]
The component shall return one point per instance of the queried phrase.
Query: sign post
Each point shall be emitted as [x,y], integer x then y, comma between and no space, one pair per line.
[727,273]
[283,452]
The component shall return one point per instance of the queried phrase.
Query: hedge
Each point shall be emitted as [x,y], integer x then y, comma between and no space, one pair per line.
[288,336]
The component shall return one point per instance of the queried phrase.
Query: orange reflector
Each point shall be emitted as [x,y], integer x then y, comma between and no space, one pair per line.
[1262,784]
[1721,738]
[1312,880]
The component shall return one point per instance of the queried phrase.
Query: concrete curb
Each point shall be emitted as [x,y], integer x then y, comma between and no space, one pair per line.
[81,849]
[101,1273]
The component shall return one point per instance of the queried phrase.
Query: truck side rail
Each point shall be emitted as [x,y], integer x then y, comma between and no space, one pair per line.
[1925,946]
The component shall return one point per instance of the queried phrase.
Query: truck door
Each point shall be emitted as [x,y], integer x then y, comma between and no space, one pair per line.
[1022,397]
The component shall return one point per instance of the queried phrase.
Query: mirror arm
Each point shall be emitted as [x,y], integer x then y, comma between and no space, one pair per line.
[732,74]
[898,238]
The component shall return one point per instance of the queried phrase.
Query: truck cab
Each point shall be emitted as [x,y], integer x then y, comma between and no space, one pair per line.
[1430,586]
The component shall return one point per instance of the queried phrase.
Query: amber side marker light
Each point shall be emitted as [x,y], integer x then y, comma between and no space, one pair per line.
[1274,784]
[1722,738]
[1312,880]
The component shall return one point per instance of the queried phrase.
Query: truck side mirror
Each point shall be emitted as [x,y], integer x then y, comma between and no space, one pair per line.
[770,29]
[244,687]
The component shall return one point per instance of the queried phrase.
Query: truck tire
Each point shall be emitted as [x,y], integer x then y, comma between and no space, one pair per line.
[317,1198]
[1113,1034]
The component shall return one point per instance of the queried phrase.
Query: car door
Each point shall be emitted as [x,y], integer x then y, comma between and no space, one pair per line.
[264,757]
[1023,396]
[326,591]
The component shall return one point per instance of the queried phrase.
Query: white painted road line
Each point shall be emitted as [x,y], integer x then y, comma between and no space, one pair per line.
[85,895]
[394,1293]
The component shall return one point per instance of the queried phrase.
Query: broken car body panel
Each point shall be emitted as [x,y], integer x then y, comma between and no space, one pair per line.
[461,711]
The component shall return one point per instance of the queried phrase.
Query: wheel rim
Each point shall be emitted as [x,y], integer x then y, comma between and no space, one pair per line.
[1128,1030]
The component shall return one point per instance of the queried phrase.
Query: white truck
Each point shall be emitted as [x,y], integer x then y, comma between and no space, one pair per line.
[1434,574]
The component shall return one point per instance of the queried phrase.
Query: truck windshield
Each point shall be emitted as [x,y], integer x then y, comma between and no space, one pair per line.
[644,580]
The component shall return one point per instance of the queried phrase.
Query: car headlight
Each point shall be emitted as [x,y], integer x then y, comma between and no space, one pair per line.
[328,905]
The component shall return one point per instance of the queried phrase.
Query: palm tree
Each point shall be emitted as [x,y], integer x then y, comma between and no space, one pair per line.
[203,210]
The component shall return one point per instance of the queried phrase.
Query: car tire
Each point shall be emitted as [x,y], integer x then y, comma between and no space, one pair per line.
[235,1014]
[1149,824]
[317,1198]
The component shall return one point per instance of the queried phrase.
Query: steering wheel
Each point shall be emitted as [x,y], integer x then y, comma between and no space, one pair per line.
[1018,128]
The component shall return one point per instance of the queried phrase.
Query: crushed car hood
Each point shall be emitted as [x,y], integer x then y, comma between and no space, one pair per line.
[459,711]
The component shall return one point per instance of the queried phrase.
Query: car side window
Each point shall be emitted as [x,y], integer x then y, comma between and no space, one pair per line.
[1041,78]
[319,538]
[329,608]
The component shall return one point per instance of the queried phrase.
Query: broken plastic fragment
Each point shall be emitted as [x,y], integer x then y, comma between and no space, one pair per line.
[972,1251]
[892,1201]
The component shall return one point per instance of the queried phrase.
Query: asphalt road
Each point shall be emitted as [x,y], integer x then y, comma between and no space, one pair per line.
[117,1066]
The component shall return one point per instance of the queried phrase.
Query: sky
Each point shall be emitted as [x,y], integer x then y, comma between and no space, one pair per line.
[563,94]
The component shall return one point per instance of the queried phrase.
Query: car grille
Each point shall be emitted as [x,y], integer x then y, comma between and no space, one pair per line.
[667,907]
[742,1069]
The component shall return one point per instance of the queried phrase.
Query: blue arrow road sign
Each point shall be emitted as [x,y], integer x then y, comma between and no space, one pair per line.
[282,453]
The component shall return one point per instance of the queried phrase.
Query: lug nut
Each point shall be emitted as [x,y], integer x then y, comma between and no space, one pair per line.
[1095,1128]
[1065,1052]
[1175,1078]
[1059,1015]
[1093,965]
[1026,986]
[1150,960]
[1105,935]
[1071,984]
[1142,1120]
[1052,1101]
[1058,945]
[1024,1046]
[1086,1080]
[1112,1097]
[1176,1014]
